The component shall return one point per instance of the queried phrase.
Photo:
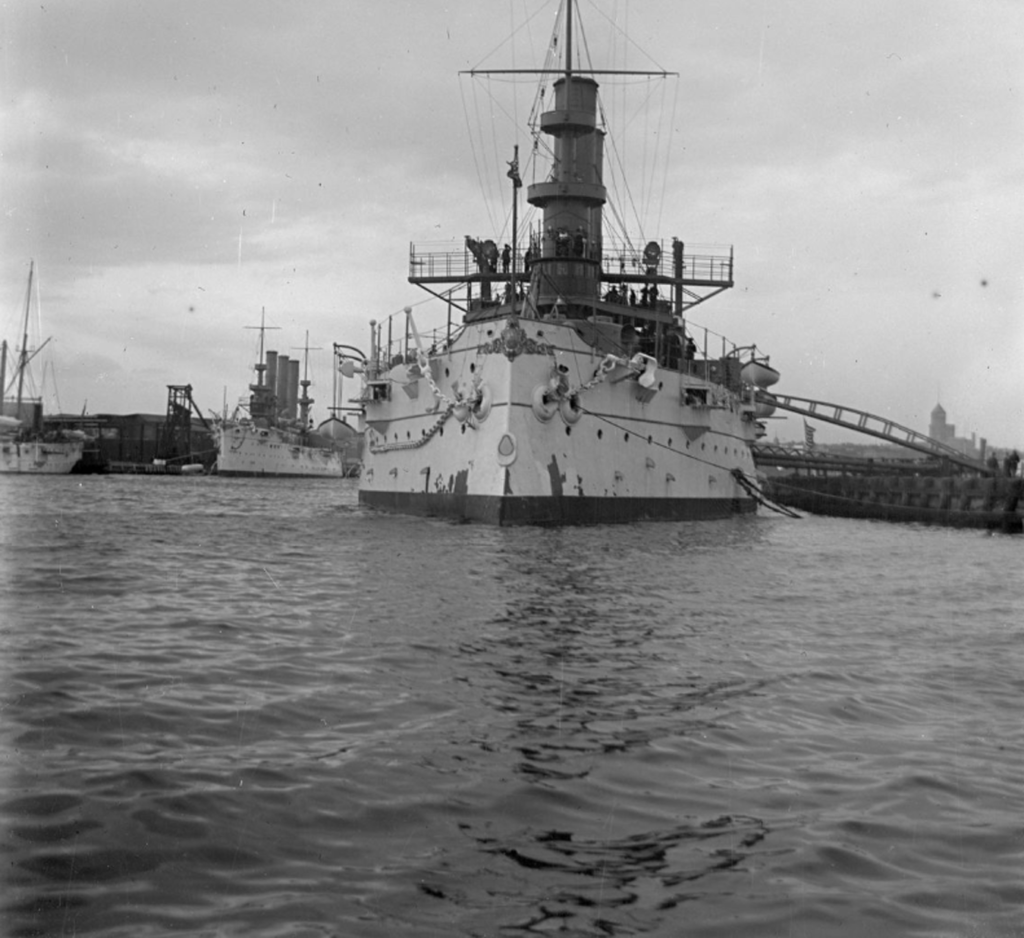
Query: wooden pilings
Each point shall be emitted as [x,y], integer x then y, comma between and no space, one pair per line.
[958,501]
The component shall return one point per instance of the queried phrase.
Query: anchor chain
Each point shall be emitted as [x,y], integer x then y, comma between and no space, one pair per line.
[470,399]
[758,495]
[414,444]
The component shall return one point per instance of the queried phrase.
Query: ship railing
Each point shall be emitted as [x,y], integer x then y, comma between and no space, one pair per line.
[625,262]
[620,261]
[395,341]
[453,262]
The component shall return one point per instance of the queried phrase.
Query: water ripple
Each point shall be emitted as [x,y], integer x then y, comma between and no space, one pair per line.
[232,707]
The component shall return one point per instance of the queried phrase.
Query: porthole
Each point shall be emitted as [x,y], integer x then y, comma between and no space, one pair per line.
[626,437]
[472,367]
[463,428]
[600,434]
[568,431]
[447,373]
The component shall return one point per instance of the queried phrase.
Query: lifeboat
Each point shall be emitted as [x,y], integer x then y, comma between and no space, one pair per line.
[337,430]
[759,373]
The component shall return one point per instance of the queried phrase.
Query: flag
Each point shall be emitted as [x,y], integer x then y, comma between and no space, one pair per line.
[513,170]
[808,437]
[513,173]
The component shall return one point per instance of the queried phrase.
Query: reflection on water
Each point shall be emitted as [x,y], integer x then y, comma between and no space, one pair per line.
[232,707]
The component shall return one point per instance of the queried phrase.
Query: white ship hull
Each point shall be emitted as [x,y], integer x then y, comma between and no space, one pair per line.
[244,450]
[37,457]
[625,452]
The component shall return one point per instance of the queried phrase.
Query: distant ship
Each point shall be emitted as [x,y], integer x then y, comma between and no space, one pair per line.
[25,447]
[574,390]
[275,437]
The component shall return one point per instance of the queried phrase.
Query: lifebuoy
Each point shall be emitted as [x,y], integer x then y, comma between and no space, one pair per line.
[543,408]
[569,408]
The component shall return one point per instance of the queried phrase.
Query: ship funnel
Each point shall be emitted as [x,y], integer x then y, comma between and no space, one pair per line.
[281,385]
[293,388]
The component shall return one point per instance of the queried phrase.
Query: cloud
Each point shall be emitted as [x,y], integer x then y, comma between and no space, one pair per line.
[177,167]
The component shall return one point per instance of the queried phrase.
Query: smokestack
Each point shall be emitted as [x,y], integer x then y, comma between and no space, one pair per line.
[272,371]
[282,385]
[293,388]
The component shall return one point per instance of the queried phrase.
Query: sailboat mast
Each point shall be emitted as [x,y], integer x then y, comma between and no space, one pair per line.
[23,359]
[336,364]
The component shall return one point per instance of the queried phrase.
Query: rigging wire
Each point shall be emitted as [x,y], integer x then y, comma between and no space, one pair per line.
[497,164]
[472,140]
[668,154]
[622,203]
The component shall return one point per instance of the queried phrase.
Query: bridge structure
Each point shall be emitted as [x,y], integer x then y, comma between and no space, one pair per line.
[795,456]
[880,427]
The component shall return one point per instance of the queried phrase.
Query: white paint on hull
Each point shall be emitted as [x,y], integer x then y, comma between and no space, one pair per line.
[39,458]
[247,451]
[622,446]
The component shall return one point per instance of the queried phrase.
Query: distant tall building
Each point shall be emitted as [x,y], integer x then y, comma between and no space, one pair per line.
[938,429]
[944,432]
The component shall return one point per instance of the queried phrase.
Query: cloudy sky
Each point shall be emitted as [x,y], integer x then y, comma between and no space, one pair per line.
[175,167]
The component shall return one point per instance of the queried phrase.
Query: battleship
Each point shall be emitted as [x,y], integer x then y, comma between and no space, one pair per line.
[273,435]
[568,385]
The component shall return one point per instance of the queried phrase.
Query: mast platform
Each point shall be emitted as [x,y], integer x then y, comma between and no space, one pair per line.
[448,262]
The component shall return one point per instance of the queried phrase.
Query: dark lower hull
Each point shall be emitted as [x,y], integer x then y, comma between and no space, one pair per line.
[555,510]
[232,474]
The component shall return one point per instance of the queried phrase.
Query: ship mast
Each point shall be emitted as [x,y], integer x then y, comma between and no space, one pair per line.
[567,252]
[261,400]
[517,184]
[568,40]
[23,358]
[568,271]
[305,401]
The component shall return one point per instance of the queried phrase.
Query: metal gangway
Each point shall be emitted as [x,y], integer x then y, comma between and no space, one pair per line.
[863,422]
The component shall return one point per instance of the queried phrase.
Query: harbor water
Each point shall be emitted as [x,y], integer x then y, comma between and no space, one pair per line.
[235,707]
